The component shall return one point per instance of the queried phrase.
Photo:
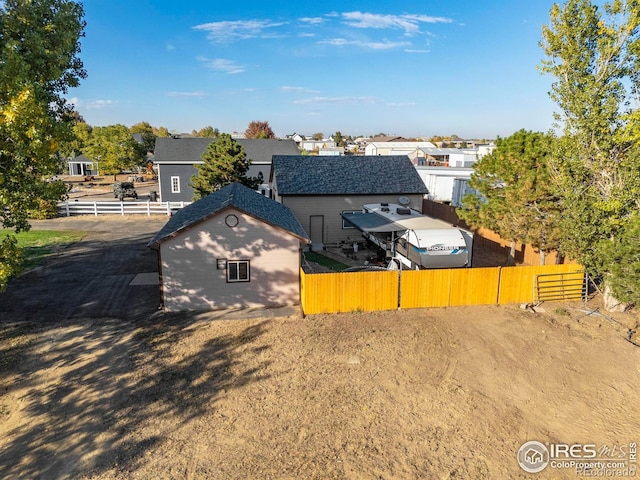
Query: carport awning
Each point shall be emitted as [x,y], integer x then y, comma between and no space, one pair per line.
[372,222]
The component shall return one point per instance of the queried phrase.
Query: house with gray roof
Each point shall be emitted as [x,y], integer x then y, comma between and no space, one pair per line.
[81,165]
[232,248]
[319,189]
[176,158]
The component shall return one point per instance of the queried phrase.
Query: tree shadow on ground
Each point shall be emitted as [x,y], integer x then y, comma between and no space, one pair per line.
[85,398]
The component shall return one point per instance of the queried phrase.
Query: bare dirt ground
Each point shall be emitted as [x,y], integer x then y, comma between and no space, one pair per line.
[101,188]
[437,394]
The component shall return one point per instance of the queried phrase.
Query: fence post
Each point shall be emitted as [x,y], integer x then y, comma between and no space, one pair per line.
[66,204]
[149,208]
[95,208]
[122,208]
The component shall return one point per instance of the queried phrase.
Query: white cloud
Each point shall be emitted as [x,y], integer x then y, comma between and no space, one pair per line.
[90,104]
[229,31]
[334,100]
[170,48]
[197,94]
[223,65]
[351,100]
[409,23]
[312,20]
[287,88]
[383,45]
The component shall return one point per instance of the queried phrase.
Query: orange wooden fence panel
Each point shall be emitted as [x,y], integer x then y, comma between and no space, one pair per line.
[474,286]
[425,288]
[348,292]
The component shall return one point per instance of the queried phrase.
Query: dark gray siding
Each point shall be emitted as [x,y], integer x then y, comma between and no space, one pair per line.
[184,172]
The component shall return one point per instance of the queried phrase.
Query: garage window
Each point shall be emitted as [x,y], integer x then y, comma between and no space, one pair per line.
[238,271]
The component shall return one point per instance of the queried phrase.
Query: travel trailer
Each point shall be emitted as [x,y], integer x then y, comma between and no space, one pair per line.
[413,240]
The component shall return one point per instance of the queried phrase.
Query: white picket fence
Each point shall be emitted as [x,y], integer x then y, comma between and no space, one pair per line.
[70,208]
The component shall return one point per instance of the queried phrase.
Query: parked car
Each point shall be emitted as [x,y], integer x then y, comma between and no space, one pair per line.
[124,189]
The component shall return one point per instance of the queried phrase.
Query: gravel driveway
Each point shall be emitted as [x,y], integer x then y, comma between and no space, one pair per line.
[111,273]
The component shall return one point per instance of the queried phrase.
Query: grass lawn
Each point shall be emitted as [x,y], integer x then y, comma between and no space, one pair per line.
[325,261]
[37,244]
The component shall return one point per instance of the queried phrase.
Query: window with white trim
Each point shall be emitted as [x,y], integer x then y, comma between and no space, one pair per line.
[175,184]
[238,271]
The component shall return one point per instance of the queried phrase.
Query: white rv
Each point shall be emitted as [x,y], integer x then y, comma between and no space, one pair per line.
[415,240]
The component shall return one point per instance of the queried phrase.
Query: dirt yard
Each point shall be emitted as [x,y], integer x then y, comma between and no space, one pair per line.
[438,394]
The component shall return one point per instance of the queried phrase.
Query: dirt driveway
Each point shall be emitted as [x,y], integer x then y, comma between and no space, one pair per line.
[438,394]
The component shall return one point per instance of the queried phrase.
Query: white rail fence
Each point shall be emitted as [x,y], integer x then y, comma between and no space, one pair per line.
[68,208]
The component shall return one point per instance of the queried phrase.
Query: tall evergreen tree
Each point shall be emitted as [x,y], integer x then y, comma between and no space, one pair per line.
[224,162]
[514,197]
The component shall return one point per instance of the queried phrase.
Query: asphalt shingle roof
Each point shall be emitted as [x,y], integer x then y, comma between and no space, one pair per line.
[238,196]
[190,149]
[346,175]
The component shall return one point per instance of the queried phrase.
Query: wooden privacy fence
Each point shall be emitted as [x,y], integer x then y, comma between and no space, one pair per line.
[371,291]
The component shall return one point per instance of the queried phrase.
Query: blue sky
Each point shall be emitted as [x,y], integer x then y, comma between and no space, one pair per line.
[411,68]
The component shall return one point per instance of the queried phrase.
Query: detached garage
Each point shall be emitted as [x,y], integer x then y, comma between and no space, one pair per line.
[232,248]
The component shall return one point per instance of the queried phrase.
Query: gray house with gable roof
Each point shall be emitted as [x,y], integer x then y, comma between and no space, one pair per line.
[176,158]
[319,189]
[232,248]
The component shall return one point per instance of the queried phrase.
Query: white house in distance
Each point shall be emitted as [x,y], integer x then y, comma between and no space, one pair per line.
[232,248]
[451,157]
[411,149]
[446,171]
[440,180]
[312,145]
[81,166]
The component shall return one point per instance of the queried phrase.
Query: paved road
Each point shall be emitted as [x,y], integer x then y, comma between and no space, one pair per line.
[91,278]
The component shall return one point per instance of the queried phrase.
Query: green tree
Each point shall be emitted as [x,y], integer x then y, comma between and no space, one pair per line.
[206,132]
[318,136]
[161,132]
[514,196]
[39,44]
[258,129]
[113,149]
[148,137]
[593,54]
[224,162]
[340,142]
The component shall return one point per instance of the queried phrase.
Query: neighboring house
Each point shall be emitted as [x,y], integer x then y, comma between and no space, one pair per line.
[313,145]
[81,166]
[335,151]
[411,149]
[452,157]
[232,248]
[440,181]
[296,137]
[176,158]
[319,189]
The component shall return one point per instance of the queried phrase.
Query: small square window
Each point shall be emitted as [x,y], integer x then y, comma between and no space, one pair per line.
[238,271]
